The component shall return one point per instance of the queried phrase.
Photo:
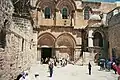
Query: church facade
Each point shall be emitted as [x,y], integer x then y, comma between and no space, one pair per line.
[34,29]
[69,28]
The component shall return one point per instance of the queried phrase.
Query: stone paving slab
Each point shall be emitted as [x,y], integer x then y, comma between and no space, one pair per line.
[71,72]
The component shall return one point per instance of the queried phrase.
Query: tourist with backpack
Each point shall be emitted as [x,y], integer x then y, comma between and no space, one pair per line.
[50,66]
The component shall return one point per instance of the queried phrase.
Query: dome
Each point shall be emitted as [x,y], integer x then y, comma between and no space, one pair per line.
[95,17]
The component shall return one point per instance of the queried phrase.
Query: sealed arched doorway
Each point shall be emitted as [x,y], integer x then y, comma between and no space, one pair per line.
[46,46]
[65,44]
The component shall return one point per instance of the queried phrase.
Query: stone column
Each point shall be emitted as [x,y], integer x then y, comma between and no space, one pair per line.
[39,54]
[90,45]
[90,40]
[58,17]
[57,54]
[77,54]
[104,18]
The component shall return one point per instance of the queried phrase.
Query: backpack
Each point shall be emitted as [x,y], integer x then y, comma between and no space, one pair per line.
[51,65]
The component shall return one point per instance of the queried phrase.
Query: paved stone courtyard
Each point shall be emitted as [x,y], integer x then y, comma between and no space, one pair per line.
[71,72]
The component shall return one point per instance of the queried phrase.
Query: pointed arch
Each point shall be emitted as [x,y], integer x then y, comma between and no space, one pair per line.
[42,4]
[98,39]
[69,4]
[101,31]
[68,37]
[46,39]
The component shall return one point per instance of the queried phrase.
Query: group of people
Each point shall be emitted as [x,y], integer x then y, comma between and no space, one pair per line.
[62,62]
[110,65]
[105,64]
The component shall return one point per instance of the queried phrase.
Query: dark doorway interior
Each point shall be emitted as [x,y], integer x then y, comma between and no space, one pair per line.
[98,40]
[46,53]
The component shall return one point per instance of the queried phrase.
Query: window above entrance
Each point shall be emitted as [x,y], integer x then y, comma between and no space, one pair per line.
[47,13]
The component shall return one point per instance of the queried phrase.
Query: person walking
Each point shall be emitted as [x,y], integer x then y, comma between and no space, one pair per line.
[89,67]
[51,67]
[117,67]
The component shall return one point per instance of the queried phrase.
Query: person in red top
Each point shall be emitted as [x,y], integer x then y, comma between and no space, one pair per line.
[117,67]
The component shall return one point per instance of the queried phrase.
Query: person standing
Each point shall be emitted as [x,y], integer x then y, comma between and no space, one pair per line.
[89,67]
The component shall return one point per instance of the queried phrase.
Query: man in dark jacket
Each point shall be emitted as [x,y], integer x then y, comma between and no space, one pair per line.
[89,67]
[51,67]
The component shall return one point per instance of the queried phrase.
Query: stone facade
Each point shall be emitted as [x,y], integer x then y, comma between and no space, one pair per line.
[59,37]
[114,30]
[53,28]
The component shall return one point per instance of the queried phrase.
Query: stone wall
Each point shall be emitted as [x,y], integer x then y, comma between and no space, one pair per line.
[113,32]
[20,51]
[6,10]
[114,39]
[114,20]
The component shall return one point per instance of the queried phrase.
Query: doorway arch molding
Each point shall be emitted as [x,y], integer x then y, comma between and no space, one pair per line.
[46,39]
[101,32]
[67,38]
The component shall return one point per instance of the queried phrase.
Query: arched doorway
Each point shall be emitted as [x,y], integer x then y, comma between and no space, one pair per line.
[65,44]
[98,40]
[98,45]
[46,46]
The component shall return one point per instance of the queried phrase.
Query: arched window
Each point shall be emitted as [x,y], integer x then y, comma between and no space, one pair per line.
[64,13]
[87,12]
[47,13]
